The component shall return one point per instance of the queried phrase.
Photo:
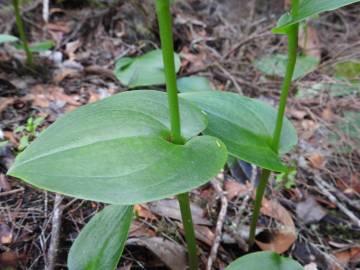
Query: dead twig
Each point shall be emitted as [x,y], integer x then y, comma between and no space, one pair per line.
[45,11]
[6,193]
[55,233]
[231,77]
[219,224]
[318,181]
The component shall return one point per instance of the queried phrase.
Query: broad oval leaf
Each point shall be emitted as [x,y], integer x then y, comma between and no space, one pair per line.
[117,151]
[245,126]
[7,38]
[309,8]
[101,242]
[264,260]
[194,84]
[275,65]
[144,70]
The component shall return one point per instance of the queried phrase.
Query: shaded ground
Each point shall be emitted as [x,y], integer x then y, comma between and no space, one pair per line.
[219,40]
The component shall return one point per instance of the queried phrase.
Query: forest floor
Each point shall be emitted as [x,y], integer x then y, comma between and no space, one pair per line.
[225,41]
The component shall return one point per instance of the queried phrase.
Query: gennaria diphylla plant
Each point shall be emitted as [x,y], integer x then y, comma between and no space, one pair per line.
[23,44]
[146,145]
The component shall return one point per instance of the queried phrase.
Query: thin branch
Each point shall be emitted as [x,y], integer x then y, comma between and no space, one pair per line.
[318,181]
[55,233]
[219,224]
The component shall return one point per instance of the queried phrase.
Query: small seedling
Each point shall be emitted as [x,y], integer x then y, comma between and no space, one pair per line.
[286,180]
[28,131]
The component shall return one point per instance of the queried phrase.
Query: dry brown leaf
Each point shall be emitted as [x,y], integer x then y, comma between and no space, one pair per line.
[297,114]
[170,253]
[42,95]
[202,233]
[346,257]
[5,234]
[235,189]
[64,73]
[10,258]
[309,210]
[192,61]
[126,267]
[317,161]
[287,4]
[311,266]
[285,236]
[327,114]
[58,27]
[144,212]
[4,183]
[170,208]
[8,135]
[139,229]
[71,48]
[5,102]
[309,127]
[310,42]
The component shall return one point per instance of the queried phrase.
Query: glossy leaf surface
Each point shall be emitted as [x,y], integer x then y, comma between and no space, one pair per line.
[309,8]
[7,38]
[117,151]
[144,70]
[264,260]
[101,242]
[194,84]
[245,126]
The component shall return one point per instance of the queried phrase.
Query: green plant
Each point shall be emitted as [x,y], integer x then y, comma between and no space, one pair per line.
[264,260]
[146,145]
[194,84]
[28,131]
[144,70]
[24,45]
[288,24]
[286,180]
[21,30]
[7,38]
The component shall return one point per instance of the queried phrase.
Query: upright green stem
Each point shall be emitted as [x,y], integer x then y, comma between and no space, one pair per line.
[265,174]
[292,55]
[165,24]
[189,230]
[21,30]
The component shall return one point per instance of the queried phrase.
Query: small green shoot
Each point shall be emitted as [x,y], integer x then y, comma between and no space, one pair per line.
[28,131]
[286,180]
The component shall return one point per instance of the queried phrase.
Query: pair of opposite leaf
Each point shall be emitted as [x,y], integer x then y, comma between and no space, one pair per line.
[105,144]
[117,151]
